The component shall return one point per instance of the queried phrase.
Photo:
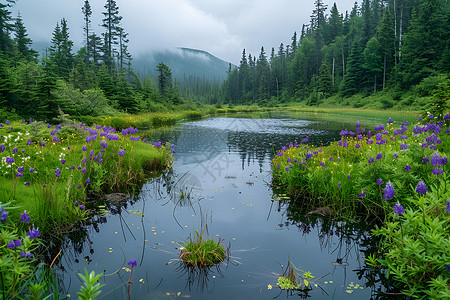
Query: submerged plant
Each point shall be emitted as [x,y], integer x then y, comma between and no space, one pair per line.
[199,252]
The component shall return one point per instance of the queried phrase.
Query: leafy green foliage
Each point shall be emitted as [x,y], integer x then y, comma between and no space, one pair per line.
[414,244]
[91,288]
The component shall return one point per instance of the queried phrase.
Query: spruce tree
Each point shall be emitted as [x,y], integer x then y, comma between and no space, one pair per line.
[23,43]
[111,23]
[87,12]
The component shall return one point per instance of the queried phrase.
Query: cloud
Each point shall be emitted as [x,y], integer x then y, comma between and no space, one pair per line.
[221,27]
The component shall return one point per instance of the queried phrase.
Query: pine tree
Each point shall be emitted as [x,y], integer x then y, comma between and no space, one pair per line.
[87,12]
[95,47]
[423,46]
[165,84]
[5,28]
[111,23]
[334,27]
[23,43]
[61,50]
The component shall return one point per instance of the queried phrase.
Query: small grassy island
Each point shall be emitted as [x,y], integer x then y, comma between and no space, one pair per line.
[395,173]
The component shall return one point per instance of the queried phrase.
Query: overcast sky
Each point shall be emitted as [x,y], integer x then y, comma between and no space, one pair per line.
[221,27]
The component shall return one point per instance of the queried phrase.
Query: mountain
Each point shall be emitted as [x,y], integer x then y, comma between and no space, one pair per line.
[183,62]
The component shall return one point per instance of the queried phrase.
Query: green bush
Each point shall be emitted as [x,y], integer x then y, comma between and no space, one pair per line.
[416,244]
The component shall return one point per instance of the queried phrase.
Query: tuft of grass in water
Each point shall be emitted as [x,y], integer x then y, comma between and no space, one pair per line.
[200,252]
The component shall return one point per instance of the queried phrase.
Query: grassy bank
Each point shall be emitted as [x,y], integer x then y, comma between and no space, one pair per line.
[396,172]
[49,171]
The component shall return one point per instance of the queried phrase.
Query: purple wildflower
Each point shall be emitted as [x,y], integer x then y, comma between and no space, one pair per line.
[121,152]
[9,160]
[4,215]
[24,218]
[84,148]
[421,188]
[27,254]
[2,148]
[104,144]
[88,180]
[379,156]
[395,155]
[132,263]
[33,233]
[63,161]
[357,146]
[398,209]
[57,172]
[426,160]
[82,207]
[43,144]
[83,170]
[371,160]
[380,181]
[390,121]
[448,206]
[362,195]
[389,191]
[27,183]
[20,169]
[408,167]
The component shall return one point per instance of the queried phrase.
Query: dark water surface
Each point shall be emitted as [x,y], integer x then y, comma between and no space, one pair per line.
[221,178]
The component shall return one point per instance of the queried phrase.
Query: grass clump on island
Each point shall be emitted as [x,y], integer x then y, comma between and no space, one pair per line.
[199,252]
[398,173]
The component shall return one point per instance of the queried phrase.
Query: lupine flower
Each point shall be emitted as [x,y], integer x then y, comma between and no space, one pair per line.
[88,180]
[44,185]
[447,266]
[395,155]
[33,233]
[403,146]
[28,254]
[447,116]
[390,121]
[132,263]
[380,181]
[57,172]
[72,167]
[15,150]
[426,160]
[379,156]
[55,139]
[76,203]
[345,143]
[421,188]
[322,164]
[121,152]
[19,174]
[389,191]
[4,215]
[63,161]
[20,169]
[348,176]
[43,144]
[408,167]
[7,122]
[158,144]
[2,148]
[437,171]
[331,158]
[84,148]
[448,206]
[24,218]
[27,183]
[362,195]
[82,207]
[287,169]
[14,243]
[289,159]
[83,170]
[84,160]
[357,146]
[9,160]
[339,185]
[104,144]
[358,124]
[371,160]
[398,209]
[79,186]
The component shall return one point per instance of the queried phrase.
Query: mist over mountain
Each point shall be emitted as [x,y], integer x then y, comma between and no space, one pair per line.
[183,62]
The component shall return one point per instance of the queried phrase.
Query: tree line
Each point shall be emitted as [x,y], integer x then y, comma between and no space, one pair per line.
[378,45]
[96,80]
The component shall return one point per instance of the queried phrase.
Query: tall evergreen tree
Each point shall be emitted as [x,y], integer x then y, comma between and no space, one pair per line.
[111,23]
[5,28]
[23,43]
[87,12]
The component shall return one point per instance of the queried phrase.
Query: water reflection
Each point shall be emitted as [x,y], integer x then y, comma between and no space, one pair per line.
[220,179]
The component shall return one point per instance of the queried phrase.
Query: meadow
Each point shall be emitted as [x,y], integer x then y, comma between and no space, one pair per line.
[50,179]
[395,173]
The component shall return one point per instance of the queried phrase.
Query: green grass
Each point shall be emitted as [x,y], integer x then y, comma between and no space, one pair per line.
[201,253]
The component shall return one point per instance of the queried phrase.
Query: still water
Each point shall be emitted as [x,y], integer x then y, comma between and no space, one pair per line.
[221,178]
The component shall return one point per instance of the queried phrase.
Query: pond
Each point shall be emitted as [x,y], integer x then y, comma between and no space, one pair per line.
[221,178]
